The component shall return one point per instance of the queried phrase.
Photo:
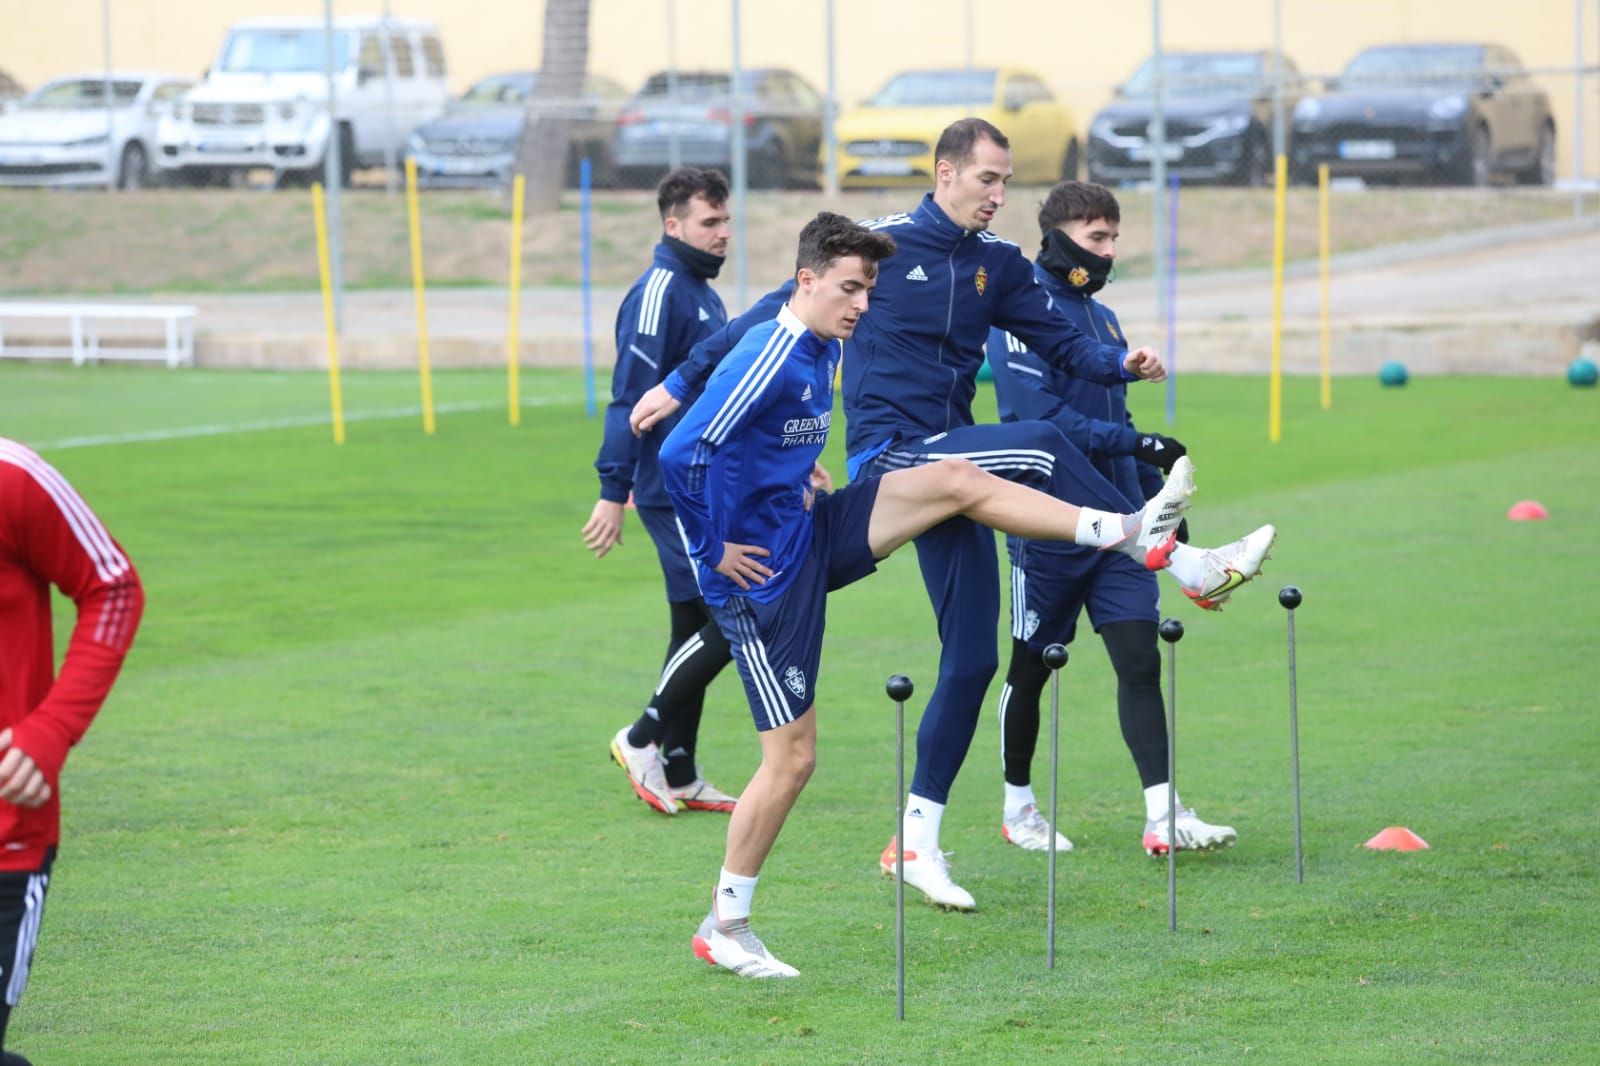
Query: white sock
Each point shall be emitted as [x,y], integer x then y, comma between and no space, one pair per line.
[1188,565]
[731,902]
[922,824]
[1099,529]
[1018,797]
[1155,801]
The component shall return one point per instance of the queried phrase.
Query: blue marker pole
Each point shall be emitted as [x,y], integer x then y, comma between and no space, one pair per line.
[585,174]
[1172,306]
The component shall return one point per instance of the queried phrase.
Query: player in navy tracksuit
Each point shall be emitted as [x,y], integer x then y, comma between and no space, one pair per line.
[1051,583]
[769,550]
[667,310]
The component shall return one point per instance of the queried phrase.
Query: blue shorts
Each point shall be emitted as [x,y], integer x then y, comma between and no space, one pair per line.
[1051,583]
[676,566]
[778,646]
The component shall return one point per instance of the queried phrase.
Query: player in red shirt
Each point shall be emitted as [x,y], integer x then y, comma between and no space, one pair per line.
[48,536]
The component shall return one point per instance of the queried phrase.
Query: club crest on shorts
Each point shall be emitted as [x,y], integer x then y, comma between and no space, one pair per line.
[796,682]
[981,280]
[1030,624]
[1079,277]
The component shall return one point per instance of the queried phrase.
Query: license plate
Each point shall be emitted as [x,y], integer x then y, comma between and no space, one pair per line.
[224,144]
[1366,149]
[1144,153]
[459,166]
[885,167]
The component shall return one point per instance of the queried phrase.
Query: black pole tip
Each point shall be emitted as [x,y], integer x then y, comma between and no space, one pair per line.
[1055,656]
[1171,630]
[899,688]
[1290,597]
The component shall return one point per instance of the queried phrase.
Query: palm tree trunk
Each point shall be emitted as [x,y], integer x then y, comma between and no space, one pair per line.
[557,99]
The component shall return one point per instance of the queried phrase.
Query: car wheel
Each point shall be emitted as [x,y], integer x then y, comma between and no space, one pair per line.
[1255,164]
[347,156]
[1071,162]
[1474,168]
[1543,170]
[134,170]
[769,166]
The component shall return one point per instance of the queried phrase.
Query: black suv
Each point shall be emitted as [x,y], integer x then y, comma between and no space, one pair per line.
[1461,113]
[1218,108]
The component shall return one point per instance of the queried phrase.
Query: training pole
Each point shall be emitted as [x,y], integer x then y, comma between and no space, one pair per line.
[585,176]
[1324,250]
[336,398]
[1275,399]
[1171,631]
[899,689]
[514,324]
[1289,596]
[419,290]
[1055,657]
[1172,305]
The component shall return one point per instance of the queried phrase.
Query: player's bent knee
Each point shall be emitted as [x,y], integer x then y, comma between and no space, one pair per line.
[961,481]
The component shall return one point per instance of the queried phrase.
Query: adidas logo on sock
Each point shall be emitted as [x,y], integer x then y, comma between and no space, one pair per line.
[915,812]
[917,274]
[730,893]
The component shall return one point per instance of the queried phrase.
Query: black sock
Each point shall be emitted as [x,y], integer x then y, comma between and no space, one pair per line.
[1019,733]
[687,619]
[681,698]
[1137,660]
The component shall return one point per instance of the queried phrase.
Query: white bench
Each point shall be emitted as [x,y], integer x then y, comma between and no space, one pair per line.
[84,323]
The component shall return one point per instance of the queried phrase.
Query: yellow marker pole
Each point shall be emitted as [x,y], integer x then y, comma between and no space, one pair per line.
[1275,404]
[319,212]
[513,343]
[1325,250]
[417,286]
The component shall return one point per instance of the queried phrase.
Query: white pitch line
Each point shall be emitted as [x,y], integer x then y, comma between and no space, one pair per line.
[293,422]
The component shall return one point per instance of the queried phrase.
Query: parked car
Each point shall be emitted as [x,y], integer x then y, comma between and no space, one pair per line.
[264,102]
[782,121]
[889,140]
[475,141]
[1218,110]
[1459,113]
[63,134]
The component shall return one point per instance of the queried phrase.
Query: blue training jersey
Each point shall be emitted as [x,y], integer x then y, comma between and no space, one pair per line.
[663,315]
[738,465]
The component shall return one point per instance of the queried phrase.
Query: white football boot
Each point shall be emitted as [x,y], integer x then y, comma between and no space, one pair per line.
[929,873]
[643,765]
[1193,834]
[735,947]
[1230,566]
[1031,832]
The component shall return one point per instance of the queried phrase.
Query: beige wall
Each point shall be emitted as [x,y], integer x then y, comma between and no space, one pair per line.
[1081,55]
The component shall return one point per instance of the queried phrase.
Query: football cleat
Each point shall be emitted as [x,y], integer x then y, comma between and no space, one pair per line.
[735,947]
[644,772]
[702,795]
[1230,566]
[1192,833]
[929,873]
[1157,531]
[1031,832]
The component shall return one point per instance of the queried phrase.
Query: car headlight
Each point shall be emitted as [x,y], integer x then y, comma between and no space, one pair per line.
[288,109]
[1234,123]
[1100,127]
[1307,109]
[1448,107]
[415,144]
[183,111]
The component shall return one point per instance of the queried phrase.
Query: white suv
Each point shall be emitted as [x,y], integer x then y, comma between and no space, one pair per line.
[264,102]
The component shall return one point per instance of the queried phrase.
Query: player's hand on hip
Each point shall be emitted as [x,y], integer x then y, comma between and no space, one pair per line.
[1146,364]
[21,780]
[821,480]
[741,566]
[603,531]
[652,407]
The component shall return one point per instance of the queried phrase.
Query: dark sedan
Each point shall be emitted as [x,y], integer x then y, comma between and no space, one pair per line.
[782,123]
[1218,108]
[1458,113]
[474,143]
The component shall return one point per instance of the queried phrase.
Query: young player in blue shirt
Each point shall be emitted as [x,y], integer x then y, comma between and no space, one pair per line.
[1051,584]
[667,310]
[768,550]
[909,377]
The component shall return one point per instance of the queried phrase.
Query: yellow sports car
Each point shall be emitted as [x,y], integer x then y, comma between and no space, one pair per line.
[889,140]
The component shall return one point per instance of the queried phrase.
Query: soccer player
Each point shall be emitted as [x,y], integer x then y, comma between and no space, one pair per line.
[667,310]
[769,550]
[910,373]
[1052,583]
[48,536]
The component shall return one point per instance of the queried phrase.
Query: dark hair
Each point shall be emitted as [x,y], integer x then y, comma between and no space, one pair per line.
[684,184]
[1077,201]
[961,136]
[830,237]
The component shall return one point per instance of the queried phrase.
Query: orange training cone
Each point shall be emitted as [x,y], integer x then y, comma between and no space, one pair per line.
[1397,838]
[1527,511]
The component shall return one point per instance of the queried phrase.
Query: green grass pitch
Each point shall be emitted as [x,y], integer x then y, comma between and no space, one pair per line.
[350,802]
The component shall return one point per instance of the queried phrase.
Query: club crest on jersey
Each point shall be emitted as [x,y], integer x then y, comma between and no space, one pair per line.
[1079,277]
[796,682]
[981,280]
